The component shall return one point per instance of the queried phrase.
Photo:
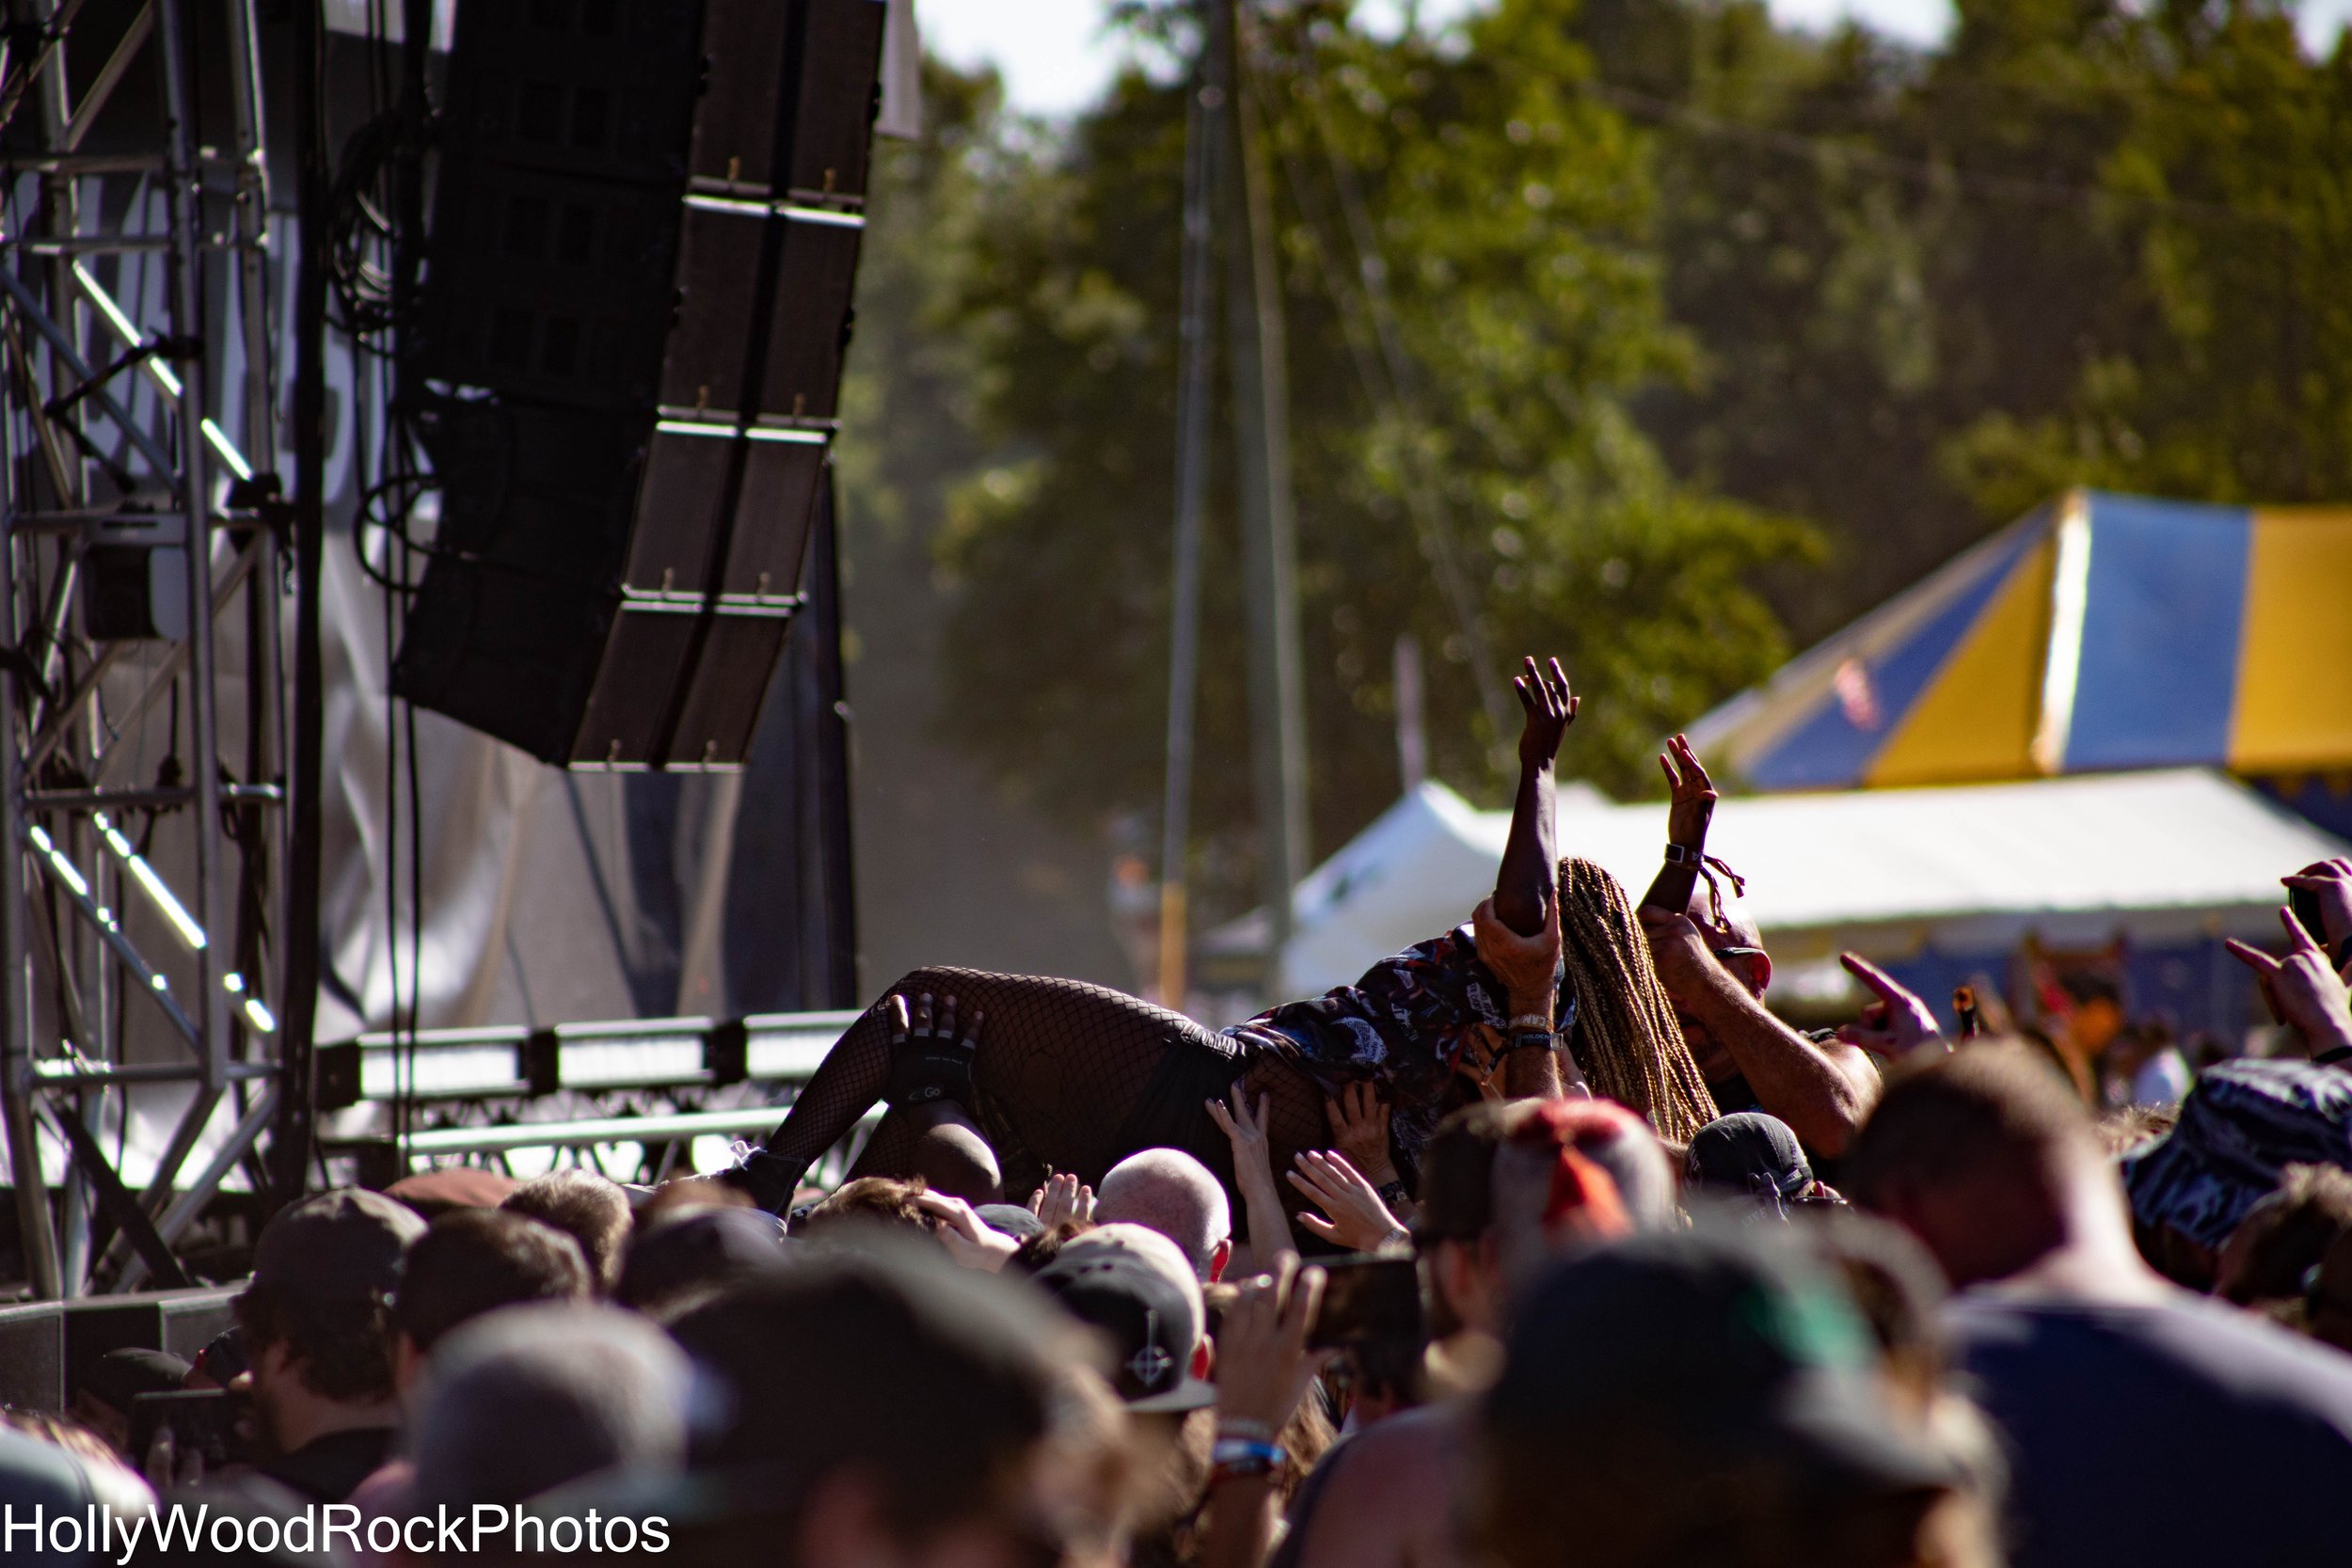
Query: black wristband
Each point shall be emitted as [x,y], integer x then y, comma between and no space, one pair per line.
[2341,1055]
[1531,1040]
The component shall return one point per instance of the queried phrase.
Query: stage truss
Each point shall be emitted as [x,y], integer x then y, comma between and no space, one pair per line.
[143,780]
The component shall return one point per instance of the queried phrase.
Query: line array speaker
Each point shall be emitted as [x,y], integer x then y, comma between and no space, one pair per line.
[626,362]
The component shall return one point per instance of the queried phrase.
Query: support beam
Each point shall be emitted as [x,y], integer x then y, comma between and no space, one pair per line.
[1261,390]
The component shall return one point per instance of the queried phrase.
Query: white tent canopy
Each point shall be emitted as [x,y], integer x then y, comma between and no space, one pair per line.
[2160,858]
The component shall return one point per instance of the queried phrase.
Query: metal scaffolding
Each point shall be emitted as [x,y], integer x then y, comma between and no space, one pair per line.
[141,915]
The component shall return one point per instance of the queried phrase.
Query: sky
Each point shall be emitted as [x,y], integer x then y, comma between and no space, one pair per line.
[1054,56]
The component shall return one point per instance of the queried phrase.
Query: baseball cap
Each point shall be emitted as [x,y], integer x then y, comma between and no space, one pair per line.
[1750,1153]
[340,1245]
[702,1247]
[2243,1123]
[1729,1344]
[1011,1219]
[1134,1286]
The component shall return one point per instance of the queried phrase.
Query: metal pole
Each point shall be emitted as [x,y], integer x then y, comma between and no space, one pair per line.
[1196,352]
[33,1222]
[181,182]
[1262,449]
[291,1137]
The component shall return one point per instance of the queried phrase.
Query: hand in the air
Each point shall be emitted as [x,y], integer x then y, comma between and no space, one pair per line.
[2331,882]
[1252,1159]
[1061,1200]
[1690,791]
[1359,1126]
[1358,1221]
[1549,707]
[1264,1367]
[1895,1026]
[2303,989]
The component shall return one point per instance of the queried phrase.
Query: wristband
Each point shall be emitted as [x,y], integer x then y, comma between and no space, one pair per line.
[2339,1055]
[1530,1022]
[1678,854]
[1243,1456]
[1531,1040]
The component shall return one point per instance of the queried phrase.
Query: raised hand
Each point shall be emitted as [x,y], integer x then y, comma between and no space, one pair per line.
[1550,708]
[1895,1026]
[1690,791]
[1064,1198]
[1264,1367]
[2303,989]
[1359,1126]
[1270,1230]
[1357,1220]
[2330,883]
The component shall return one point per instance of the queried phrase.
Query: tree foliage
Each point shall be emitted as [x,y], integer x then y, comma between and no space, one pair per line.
[1601,314]
[1472,302]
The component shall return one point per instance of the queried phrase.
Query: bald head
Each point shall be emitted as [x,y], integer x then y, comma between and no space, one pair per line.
[1168,1190]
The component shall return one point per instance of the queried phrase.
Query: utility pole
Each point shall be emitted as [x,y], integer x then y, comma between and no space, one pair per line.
[1196,363]
[1261,393]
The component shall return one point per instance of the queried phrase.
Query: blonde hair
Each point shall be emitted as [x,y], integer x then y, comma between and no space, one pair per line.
[1634,1052]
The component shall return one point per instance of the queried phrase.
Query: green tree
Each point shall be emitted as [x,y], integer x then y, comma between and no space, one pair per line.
[1474,303]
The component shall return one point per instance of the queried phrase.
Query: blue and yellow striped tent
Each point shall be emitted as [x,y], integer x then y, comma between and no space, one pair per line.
[2100,633]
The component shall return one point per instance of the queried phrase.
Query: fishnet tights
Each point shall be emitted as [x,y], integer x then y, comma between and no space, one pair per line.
[1060,1068]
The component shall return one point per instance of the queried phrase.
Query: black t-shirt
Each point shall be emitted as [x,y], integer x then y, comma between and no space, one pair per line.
[328,1469]
[2184,1434]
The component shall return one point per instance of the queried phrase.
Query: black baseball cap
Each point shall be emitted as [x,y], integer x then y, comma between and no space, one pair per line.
[340,1245]
[1011,1219]
[1149,1305]
[1750,1153]
[1729,1344]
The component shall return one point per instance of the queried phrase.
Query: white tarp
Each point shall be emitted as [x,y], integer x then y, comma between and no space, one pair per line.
[2159,857]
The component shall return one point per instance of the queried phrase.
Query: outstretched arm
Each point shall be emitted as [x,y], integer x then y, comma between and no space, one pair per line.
[1524,886]
[1693,798]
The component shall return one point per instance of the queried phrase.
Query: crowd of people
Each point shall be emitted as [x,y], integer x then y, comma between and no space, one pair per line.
[1547,1243]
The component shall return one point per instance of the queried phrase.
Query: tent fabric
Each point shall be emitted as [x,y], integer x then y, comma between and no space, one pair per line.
[2163,857]
[2100,633]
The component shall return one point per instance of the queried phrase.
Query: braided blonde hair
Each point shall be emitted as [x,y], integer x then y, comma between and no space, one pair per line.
[1634,1053]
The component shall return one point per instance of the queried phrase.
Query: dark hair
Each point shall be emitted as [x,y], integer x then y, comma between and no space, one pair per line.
[931,1380]
[472,1260]
[1458,1174]
[1994,1103]
[590,1208]
[685,1254]
[885,1201]
[2288,1232]
[342,1349]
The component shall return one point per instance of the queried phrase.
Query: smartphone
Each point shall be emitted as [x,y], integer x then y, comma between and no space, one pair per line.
[2304,904]
[214,1422]
[1366,1298]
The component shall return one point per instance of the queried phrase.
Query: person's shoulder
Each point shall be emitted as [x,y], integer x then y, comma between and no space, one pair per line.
[1402,1449]
[2192,1338]
[1383,1481]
